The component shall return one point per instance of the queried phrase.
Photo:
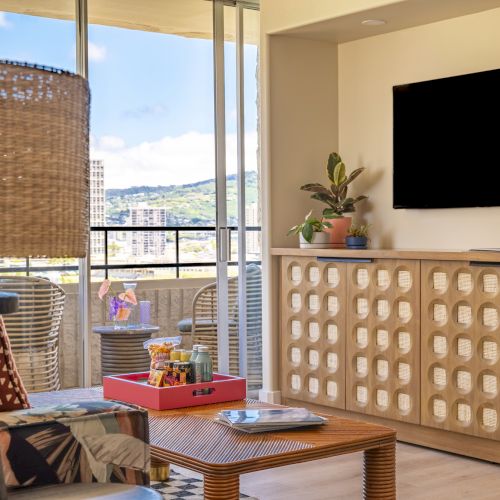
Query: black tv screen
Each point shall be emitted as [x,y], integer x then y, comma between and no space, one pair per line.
[447,142]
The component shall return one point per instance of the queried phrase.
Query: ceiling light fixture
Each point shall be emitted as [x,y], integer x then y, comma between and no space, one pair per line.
[373,22]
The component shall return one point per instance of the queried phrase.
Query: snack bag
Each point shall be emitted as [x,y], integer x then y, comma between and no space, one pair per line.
[175,341]
[159,350]
[160,354]
[156,378]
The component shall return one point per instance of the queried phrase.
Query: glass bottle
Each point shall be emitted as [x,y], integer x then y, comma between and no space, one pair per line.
[192,360]
[203,365]
[194,353]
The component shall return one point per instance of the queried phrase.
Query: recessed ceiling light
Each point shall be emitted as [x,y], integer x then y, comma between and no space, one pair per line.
[373,22]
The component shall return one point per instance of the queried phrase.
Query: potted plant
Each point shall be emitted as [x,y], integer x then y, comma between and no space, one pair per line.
[312,232]
[357,237]
[336,199]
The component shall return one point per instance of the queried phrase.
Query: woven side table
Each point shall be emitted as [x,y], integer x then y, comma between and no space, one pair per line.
[122,350]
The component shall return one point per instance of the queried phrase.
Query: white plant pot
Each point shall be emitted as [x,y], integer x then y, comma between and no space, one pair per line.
[319,240]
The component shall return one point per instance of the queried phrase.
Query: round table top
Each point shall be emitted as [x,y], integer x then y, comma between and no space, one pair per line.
[132,329]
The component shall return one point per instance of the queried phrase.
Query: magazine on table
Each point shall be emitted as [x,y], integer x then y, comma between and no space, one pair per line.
[267,419]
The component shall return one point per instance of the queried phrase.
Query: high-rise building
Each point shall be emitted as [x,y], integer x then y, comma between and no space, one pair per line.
[253,237]
[147,242]
[97,206]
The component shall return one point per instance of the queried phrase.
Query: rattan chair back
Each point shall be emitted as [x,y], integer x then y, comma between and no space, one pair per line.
[204,329]
[34,330]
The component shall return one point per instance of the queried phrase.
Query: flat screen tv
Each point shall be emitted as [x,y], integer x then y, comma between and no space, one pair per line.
[447,142]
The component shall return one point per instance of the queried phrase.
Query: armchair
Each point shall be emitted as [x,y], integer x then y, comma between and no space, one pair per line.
[62,443]
[202,325]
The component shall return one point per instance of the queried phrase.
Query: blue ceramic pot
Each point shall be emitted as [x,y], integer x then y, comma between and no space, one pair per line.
[356,242]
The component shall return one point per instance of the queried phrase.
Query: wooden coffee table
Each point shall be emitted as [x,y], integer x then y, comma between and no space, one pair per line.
[191,438]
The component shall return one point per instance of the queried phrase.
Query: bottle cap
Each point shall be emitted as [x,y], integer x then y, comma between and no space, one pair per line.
[202,348]
[195,347]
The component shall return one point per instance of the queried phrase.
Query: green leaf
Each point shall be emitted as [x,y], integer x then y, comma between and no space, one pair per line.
[328,199]
[354,174]
[339,174]
[360,198]
[331,213]
[307,232]
[333,160]
[315,188]
[293,230]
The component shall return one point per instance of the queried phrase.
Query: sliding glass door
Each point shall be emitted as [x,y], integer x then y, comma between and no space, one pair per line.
[238,202]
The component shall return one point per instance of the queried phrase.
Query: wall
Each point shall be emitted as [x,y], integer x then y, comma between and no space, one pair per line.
[298,92]
[303,125]
[368,69]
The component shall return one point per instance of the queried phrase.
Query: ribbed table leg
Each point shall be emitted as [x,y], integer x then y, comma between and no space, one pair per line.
[160,471]
[221,487]
[379,473]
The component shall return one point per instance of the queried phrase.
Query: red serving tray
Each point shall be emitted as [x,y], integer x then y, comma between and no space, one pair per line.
[131,388]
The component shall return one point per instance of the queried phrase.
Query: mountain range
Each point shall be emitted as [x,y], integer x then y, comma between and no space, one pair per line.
[187,204]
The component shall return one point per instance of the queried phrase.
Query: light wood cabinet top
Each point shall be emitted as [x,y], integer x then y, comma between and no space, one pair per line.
[414,254]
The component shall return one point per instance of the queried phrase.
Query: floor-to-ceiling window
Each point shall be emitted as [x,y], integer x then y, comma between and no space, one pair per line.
[153,177]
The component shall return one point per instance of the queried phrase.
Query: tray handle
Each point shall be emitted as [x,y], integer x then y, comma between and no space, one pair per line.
[207,391]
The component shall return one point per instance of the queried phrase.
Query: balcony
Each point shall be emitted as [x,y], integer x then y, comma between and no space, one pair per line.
[171,298]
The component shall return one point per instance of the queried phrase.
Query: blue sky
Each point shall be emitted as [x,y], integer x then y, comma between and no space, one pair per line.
[152,96]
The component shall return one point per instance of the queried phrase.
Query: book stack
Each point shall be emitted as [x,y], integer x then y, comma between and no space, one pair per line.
[266,420]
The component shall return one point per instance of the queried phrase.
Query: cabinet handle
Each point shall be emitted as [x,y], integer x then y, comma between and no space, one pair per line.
[483,264]
[342,259]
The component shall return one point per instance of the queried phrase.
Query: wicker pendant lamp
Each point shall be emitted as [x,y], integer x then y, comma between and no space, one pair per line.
[44,162]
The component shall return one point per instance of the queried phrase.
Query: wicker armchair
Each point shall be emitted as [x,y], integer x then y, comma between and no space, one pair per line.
[34,330]
[203,324]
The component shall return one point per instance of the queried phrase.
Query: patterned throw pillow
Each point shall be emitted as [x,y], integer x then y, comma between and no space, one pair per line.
[13,395]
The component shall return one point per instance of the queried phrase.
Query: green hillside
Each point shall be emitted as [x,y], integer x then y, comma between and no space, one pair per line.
[187,204]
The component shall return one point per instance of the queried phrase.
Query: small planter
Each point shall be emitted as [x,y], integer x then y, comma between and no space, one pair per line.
[356,242]
[319,240]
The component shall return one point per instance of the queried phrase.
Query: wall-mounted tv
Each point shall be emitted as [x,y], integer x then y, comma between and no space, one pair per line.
[447,142]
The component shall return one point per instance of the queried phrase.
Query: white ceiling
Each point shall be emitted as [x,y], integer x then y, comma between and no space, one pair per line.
[399,15]
[188,18]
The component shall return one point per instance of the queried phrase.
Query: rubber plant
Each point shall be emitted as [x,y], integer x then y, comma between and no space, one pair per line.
[335,197]
[310,226]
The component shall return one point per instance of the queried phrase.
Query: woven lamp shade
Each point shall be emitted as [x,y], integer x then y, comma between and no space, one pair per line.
[44,162]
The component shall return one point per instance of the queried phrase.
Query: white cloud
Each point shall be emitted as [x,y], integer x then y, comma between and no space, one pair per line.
[171,160]
[97,53]
[111,142]
[4,22]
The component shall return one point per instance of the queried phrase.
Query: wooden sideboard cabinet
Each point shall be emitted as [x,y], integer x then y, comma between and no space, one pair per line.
[404,338]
